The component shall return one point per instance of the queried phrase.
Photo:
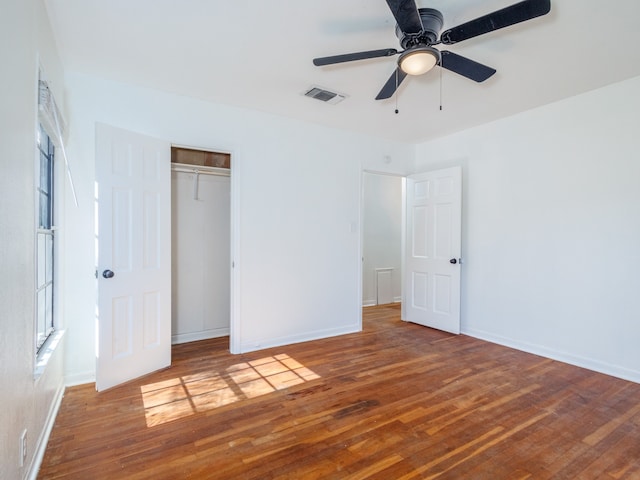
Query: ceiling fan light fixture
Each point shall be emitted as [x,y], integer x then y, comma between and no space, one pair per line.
[418,60]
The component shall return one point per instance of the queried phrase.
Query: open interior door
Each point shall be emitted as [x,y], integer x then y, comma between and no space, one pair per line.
[432,250]
[133,241]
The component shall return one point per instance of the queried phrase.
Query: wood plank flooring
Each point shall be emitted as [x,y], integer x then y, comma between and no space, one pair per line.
[394,402]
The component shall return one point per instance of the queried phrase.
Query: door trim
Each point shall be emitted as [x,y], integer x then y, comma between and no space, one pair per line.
[235,320]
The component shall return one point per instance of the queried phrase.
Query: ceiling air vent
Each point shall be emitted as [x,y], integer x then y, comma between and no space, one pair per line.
[324,95]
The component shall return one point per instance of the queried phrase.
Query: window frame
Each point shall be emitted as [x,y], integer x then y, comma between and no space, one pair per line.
[45,241]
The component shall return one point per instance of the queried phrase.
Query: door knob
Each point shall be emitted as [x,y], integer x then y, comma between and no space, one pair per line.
[453,260]
[108,274]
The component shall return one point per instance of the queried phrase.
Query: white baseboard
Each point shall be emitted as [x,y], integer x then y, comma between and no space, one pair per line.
[288,340]
[373,303]
[41,446]
[578,361]
[203,335]
[79,379]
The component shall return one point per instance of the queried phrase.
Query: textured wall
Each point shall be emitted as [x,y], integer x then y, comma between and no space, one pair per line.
[551,228]
[26,402]
[296,202]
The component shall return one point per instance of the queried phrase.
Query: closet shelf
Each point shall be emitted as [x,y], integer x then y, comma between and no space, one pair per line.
[200,169]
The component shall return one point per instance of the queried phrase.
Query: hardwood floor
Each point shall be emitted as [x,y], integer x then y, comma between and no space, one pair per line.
[396,401]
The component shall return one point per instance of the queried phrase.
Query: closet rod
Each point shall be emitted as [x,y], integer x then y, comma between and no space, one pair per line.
[204,171]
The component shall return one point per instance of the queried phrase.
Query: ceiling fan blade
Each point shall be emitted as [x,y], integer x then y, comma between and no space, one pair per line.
[465,67]
[350,57]
[406,15]
[392,84]
[516,13]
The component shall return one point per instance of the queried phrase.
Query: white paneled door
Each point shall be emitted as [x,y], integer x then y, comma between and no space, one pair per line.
[432,250]
[133,242]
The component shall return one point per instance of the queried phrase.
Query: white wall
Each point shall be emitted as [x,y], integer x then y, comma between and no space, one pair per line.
[382,233]
[552,228]
[25,402]
[297,210]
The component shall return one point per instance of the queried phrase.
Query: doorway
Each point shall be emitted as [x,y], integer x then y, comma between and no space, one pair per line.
[381,238]
[200,211]
[426,217]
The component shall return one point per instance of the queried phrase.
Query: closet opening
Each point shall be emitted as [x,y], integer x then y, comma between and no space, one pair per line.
[200,230]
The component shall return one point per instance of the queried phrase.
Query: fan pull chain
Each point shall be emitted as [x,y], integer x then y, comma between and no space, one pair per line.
[396,92]
[440,85]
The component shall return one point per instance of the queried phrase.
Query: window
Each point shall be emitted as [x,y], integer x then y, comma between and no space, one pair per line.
[45,236]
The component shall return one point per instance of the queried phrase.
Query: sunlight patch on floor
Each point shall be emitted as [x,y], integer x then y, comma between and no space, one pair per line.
[183,396]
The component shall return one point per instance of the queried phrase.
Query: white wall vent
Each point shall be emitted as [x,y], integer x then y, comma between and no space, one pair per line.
[324,95]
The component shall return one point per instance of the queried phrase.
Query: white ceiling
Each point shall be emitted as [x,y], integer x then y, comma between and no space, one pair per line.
[257,54]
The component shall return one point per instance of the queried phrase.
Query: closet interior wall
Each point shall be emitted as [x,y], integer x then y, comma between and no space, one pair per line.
[200,254]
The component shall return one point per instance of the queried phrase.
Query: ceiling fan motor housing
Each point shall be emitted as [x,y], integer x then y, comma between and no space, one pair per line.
[432,21]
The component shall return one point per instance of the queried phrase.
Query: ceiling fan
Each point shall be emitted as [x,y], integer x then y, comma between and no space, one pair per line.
[418,29]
